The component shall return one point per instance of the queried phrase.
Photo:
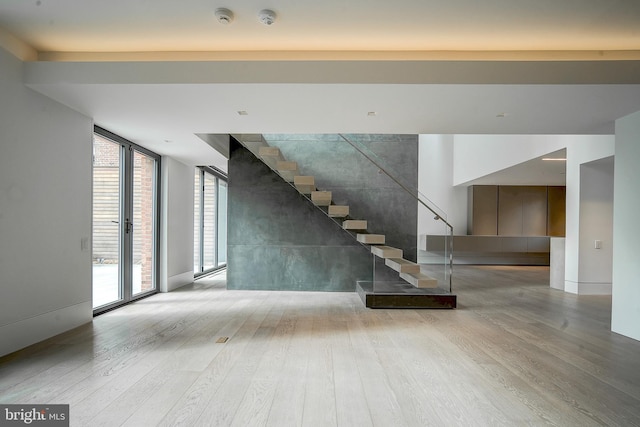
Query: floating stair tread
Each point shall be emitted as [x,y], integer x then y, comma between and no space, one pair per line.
[386,251]
[338,211]
[321,198]
[355,224]
[420,280]
[287,170]
[305,180]
[254,146]
[250,138]
[304,184]
[373,239]
[402,265]
[270,152]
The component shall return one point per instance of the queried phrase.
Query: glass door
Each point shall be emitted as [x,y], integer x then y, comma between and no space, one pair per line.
[222,223]
[125,221]
[144,214]
[107,248]
[209,223]
[210,220]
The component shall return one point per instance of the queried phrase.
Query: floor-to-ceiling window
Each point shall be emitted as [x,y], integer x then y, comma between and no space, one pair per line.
[210,224]
[125,220]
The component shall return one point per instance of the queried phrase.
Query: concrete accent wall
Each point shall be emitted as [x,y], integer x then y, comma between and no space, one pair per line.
[278,240]
[355,181]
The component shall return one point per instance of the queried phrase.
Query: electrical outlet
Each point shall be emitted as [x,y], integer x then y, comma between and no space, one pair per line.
[598,244]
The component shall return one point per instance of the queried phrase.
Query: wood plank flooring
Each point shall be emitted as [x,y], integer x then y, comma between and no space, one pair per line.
[515,352]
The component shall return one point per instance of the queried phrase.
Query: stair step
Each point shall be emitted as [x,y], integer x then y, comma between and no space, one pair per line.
[354,224]
[253,141]
[288,170]
[250,137]
[386,252]
[321,198]
[270,156]
[338,211]
[373,239]
[270,152]
[304,184]
[420,280]
[254,146]
[402,265]
[404,295]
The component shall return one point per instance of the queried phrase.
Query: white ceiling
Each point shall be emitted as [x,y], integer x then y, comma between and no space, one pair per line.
[189,25]
[424,66]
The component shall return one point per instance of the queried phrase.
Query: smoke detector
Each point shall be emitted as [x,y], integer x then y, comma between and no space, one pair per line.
[267,17]
[224,16]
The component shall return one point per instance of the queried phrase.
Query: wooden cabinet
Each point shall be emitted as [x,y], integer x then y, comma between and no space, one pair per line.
[482,218]
[515,210]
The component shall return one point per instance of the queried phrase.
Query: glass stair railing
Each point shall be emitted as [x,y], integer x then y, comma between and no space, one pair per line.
[443,271]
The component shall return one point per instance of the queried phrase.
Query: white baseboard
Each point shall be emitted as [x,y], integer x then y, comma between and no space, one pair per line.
[24,333]
[179,280]
[587,288]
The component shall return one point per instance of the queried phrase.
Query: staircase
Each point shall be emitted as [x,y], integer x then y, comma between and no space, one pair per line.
[409,272]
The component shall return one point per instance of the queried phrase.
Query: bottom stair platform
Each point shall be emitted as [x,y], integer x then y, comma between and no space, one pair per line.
[403,295]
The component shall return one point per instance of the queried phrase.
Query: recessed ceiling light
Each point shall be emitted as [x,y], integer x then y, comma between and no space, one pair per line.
[501,115]
[372,113]
[243,113]
[554,159]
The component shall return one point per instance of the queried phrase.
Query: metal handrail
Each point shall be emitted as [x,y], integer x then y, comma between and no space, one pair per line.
[407,190]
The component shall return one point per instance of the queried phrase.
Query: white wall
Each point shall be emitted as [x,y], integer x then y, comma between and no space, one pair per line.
[435,181]
[581,149]
[596,223]
[626,233]
[177,225]
[45,213]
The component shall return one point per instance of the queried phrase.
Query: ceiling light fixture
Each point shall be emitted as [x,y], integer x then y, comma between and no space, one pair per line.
[501,115]
[243,113]
[224,16]
[372,113]
[267,16]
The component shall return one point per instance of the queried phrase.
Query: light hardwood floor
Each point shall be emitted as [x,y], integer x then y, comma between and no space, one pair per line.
[514,353]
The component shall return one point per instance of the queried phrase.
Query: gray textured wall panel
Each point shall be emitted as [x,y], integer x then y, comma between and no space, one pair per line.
[277,240]
[297,268]
[355,181]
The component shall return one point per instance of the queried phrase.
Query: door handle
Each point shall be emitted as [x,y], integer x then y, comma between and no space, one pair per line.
[128,226]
